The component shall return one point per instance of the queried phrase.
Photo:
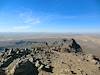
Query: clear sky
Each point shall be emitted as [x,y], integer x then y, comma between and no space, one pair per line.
[50,16]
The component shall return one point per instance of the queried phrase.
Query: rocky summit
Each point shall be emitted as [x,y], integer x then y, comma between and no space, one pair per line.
[64,57]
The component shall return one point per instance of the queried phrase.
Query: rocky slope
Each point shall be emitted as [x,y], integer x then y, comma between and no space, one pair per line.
[57,58]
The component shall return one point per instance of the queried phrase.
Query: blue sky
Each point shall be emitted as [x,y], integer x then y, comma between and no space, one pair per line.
[50,16]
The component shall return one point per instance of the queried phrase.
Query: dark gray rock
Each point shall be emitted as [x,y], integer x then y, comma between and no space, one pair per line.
[26,68]
[74,46]
[2,72]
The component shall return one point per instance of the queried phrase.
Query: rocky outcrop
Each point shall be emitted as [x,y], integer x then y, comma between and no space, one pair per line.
[67,46]
[74,46]
[64,57]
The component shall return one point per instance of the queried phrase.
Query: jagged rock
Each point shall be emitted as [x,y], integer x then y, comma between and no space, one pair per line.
[37,63]
[2,72]
[67,46]
[7,61]
[74,46]
[31,59]
[40,67]
[11,68]
[60,58]
[48,68]
[26,68]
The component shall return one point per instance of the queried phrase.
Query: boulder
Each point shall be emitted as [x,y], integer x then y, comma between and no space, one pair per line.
[74,46]
[2,72]
[26,68]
